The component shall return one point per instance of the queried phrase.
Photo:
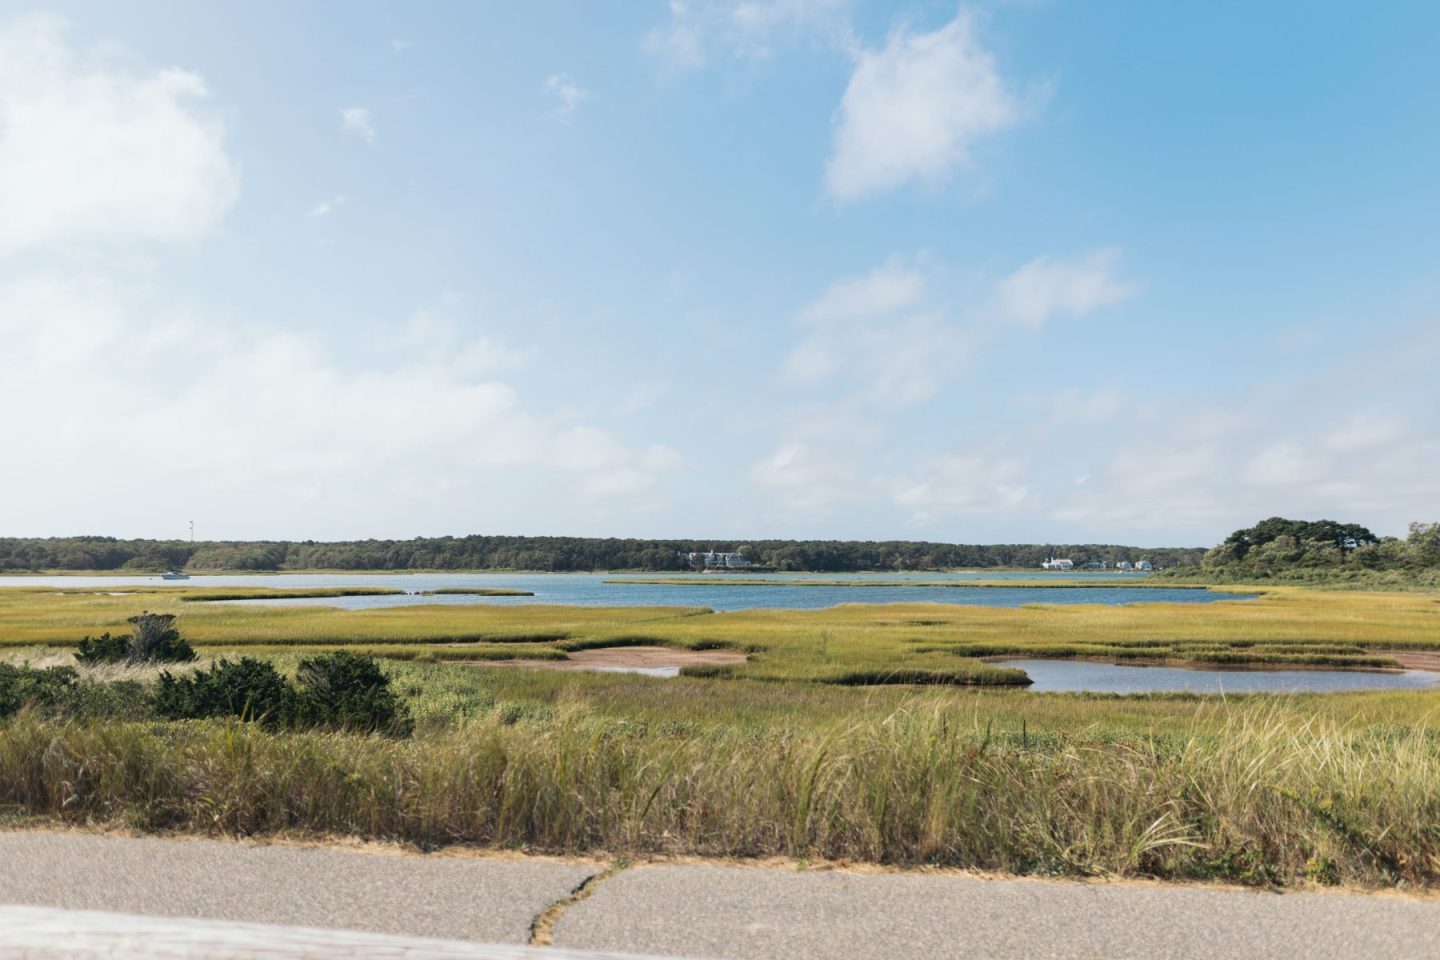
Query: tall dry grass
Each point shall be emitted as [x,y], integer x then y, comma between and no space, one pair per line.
[1246,794]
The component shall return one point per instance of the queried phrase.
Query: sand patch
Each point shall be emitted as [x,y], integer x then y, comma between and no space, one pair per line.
[654,661]
[1412,659]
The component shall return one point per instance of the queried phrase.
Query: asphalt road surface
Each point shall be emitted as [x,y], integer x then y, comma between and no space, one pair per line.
[701,910]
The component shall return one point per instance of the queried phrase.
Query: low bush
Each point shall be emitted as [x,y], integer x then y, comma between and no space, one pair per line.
[155,640]
[248,688]
[341,690]
[103,649]
[27,686]
[60,692]
[349,691]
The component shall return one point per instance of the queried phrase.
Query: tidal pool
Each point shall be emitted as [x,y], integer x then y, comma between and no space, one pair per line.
[1074,676]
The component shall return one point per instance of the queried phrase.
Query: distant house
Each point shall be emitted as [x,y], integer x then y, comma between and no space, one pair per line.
[713,560]
[1097,565]
[1055,564]
[1124,565]
[1144,565]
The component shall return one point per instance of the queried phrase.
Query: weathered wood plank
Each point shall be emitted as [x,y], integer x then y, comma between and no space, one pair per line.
[42,933]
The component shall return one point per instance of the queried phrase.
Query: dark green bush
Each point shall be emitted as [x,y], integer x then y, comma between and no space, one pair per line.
[59,692]
[103,649]
[155,640]
[340,690]
[28,686]
[348,690]
[249,689]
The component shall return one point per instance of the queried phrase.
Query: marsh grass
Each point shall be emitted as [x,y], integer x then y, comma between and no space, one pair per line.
[1242,792]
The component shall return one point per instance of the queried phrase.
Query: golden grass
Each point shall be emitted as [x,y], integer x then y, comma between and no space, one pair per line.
[853,643]
[1245,792]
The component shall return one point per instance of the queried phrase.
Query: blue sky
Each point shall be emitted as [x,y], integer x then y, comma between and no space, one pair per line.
[1028,271]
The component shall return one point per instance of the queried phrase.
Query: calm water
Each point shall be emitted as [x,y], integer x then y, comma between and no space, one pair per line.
[1059,676]
[700,590]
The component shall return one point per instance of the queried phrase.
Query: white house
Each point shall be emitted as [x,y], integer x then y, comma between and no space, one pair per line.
[1054,564]
[1124,565]
[1144,565]
[713,560]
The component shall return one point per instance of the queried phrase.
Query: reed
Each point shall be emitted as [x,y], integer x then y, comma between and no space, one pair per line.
[1239,792]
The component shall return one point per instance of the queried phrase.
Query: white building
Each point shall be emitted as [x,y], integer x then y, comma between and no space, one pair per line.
[1124,565]
[713,560]
[1144,565]
[1054,564]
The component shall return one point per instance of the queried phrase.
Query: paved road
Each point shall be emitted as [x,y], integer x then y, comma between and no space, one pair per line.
[704,911]
[748,912]
[454,898]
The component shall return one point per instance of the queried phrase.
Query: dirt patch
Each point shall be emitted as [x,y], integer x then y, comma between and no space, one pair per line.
[1412,659]
[657,661]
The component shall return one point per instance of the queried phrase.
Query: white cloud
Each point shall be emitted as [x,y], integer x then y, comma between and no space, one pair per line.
[326,207]
[882,331]
[1298,450]
[568,95]
[356,120]
[913,109]
[696,30]
[400,45]
[954,484]
[1046,288]
[261,418]
[808,478]
[95,150]
[897,341]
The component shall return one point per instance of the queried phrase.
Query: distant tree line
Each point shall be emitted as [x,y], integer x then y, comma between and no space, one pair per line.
[1324,550]
[548,554]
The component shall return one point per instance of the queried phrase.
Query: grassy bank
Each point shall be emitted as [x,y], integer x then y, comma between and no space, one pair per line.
[1260,790]
[1246,792]
[851,643]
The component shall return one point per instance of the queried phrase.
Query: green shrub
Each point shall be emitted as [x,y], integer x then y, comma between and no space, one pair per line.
[103,649]
[348,690]
[28,686]
[155,640]
[248,688]
[340,690]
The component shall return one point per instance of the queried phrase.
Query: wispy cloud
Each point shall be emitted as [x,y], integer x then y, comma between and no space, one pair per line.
[1046,288]
[326,207]
[356,120]
[896,336]
[697,31]
[568,94]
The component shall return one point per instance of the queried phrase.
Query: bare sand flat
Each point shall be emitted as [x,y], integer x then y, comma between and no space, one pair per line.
[1412,659]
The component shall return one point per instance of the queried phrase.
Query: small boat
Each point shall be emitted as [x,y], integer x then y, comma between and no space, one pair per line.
[174,575]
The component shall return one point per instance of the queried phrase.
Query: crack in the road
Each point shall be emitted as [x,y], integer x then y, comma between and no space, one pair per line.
[542,928]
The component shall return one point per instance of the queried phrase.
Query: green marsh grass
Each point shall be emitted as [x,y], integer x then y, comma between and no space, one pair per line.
[885,643]
[1341,788]
[1254,792]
